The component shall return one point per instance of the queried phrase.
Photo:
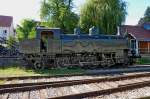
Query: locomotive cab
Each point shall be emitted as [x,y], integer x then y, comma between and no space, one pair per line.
[46,43]
[45,36]
[49,39]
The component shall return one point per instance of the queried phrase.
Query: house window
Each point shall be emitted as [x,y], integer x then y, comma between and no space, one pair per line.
[5,31]
[133,44]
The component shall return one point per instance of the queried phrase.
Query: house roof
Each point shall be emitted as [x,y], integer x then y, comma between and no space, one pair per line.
[5,21]
[138,32]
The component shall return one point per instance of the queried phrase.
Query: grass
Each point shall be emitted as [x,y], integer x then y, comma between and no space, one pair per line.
[2,82]
[15,71]
[20,71]
[60,71]
[144,61]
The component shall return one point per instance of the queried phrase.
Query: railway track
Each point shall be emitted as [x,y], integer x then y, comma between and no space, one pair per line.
[74,89]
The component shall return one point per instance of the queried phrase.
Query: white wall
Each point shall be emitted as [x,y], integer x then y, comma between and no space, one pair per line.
[10,32]
[2,34]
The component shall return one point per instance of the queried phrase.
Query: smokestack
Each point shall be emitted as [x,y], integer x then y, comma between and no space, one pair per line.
[118,30]
[77,31]
[93,31]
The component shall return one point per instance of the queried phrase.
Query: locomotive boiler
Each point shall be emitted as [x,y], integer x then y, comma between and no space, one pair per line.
[52,48]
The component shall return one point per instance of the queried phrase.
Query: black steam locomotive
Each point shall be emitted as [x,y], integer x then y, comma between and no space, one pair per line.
[51,48]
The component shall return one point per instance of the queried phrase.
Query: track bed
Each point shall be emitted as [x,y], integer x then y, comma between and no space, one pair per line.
[75,89]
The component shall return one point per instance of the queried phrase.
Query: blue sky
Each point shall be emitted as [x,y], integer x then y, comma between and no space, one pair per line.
[21,9]
[136,10]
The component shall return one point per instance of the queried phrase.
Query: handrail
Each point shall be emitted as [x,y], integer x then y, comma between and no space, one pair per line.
[144,51]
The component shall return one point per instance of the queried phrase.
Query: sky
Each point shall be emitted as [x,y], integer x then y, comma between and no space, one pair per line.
[21,9]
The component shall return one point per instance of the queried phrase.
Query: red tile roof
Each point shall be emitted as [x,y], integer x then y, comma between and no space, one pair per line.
[5,21]
[138,32]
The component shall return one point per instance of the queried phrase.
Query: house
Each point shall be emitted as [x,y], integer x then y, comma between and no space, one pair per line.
[138,37]
[6,27]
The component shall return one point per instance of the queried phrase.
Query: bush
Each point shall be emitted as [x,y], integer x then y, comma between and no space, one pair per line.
[144,60]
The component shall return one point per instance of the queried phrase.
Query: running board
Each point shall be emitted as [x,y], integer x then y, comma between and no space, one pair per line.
[90,63]
[85,63]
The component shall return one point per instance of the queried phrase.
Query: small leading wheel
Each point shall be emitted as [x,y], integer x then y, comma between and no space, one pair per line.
[39,65]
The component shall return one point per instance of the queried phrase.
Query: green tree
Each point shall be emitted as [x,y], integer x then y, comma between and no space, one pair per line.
[26,29]
[11,41]
[147,12]
[104,14]
[146,17]
[58,13]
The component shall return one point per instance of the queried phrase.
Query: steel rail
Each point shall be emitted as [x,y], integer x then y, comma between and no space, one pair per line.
[76,74]
[83,81]
[146,97]
[105,91]
[11,88]
[40,77]
[79,81]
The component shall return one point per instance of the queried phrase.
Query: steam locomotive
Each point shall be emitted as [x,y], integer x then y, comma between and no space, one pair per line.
[51,48]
